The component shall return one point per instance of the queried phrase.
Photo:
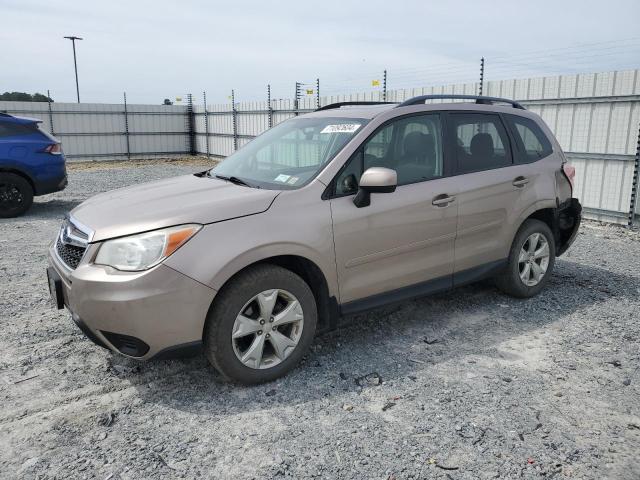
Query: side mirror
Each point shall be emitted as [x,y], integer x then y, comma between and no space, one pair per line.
[375,180]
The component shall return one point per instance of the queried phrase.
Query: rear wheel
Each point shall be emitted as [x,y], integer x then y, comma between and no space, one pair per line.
[531,260]
[16,195]
[260,325]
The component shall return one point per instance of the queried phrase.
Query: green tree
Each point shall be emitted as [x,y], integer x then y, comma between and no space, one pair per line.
[24,97]
[38,97]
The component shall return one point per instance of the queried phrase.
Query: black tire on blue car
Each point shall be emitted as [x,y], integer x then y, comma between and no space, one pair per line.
[16,195]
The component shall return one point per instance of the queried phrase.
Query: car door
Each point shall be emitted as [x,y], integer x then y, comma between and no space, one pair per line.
[491,188]
[402,243]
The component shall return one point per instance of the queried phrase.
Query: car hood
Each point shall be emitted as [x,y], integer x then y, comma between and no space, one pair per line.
[169,202]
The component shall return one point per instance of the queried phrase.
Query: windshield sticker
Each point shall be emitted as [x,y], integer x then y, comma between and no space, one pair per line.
[282,178]
[293,180]
[342,128]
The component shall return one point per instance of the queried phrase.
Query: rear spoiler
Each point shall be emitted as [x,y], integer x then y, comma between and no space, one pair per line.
[20,119]
[29,119]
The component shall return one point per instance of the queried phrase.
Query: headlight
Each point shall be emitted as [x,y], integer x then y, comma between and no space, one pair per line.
[143,251]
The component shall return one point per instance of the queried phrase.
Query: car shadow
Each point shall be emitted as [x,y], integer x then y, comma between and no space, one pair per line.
[51,208]
[395,342]
[46,210]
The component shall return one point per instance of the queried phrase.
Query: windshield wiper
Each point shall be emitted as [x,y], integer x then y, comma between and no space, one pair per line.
[236,180]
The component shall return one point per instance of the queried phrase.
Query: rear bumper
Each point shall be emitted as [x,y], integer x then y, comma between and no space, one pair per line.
[51,185]
[140,315]
[569,217]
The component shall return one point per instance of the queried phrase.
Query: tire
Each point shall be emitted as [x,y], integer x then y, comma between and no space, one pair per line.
[242,295]
[16,195]
[511,281]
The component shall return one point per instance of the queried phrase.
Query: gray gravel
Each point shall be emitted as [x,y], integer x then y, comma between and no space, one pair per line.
[464,385]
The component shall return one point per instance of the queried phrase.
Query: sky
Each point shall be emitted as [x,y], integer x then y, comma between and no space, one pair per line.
[155,50]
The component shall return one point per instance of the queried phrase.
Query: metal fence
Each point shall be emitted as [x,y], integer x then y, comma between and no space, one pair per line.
[595,116]
[98,131]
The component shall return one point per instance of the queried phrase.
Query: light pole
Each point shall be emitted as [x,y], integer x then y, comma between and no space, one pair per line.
[75,64]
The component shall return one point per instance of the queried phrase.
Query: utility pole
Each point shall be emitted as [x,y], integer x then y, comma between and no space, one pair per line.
[635,187]
[296,102]
[75,63]
[50,112]
[206,122]
[384,86]
[269,108]
[481,76]
[234,120]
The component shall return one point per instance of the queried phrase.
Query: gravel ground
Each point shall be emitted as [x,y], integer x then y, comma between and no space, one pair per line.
[468,384]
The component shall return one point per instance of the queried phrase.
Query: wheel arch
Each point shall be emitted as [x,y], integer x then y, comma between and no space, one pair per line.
[314,277]
[563,222]
[21,173]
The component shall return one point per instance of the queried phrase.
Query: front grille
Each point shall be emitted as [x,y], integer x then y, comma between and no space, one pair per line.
[69,254]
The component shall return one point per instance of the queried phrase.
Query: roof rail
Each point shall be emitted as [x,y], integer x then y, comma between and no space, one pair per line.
[331,106]
[478,98]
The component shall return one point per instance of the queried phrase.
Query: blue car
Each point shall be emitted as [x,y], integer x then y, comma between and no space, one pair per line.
[31,164]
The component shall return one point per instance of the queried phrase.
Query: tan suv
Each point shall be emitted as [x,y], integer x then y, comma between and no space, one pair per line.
[342,210]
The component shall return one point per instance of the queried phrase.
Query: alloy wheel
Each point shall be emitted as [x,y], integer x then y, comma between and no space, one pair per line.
[10,195]
[533,260]
[267,329]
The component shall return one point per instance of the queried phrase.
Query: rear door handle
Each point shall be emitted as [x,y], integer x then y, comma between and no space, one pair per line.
[442,200]
[520,182]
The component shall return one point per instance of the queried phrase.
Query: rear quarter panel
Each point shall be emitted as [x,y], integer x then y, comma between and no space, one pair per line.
[24,154]
[539,194]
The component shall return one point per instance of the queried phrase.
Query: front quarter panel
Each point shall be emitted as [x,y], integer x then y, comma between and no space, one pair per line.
[298,223]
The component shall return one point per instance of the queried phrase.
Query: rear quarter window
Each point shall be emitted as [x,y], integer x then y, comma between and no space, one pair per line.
[15,129]
[531,142]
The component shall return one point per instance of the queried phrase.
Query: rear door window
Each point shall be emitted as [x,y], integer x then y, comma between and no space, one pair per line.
[481,142]
[531,142]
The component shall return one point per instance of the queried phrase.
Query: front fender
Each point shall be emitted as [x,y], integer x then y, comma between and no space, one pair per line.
[264,252]
[221,250]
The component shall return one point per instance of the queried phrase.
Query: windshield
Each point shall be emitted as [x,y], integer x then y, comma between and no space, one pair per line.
[290,154]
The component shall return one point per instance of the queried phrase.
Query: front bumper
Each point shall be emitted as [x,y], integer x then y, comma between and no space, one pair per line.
[139,315]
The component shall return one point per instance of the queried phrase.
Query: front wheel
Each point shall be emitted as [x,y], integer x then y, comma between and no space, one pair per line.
[260,325]
[16,195]
[531,260]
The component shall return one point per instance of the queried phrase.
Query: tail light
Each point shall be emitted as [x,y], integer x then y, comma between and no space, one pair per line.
[54,149]
[569,172]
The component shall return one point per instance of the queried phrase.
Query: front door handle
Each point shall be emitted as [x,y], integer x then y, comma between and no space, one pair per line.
[520,182]
[442,200]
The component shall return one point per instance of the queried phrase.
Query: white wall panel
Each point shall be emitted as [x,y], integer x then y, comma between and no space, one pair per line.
[604,84]
[619,133]
[599,128]
[580,128]
[632,136]
[568,85]
[551,87]
[586,84]
[536,86]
